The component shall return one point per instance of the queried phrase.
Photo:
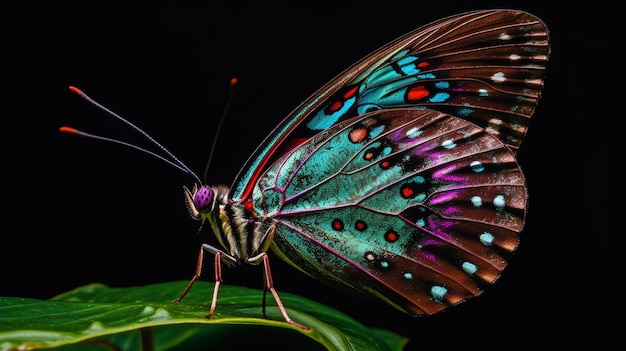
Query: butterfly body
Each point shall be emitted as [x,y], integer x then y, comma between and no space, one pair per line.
[398,178]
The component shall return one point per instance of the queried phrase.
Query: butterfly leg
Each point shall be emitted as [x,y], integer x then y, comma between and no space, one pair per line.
[269,285]
[218,274]
[218,282]
[195,276]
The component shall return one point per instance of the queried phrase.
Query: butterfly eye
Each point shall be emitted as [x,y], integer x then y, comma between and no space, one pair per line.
[203,199]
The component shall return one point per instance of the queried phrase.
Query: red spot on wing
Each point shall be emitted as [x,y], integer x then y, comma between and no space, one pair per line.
[360,225]
[407,192]
[357,135]
[422,64]
[337,224]
[417,93]
[335,106]
[391,236]
[350,92]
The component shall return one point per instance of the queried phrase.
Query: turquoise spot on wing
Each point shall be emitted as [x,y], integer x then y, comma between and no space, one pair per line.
[486,238]
[407,60]
[323,121]
[425,76]
[407,64]
[420,197]
[476,201]
[477,166]
[376,131]
[440,97]
[442,85]
[469,267]
[464,112]
[438,292]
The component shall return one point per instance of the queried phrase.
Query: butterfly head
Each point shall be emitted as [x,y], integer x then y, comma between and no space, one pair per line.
[203,199]
[230,221]
[200,201]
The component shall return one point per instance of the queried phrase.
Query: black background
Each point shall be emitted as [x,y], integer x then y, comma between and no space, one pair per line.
[87,211]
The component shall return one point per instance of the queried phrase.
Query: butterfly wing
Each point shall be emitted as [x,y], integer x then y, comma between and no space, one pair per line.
[416,207]
[485,66]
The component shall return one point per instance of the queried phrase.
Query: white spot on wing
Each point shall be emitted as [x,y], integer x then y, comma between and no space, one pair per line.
[448,144]
[514,57]
[499,202]
[495,121]
[498,77]
[493,126]
[413,133]
[476,201]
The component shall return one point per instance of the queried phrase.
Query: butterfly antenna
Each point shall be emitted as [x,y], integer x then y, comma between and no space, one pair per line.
[173,161]
[231,97]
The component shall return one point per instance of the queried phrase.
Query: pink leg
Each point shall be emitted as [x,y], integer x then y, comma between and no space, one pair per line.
[269,283]
[218,281]
[270,286]
[195,277]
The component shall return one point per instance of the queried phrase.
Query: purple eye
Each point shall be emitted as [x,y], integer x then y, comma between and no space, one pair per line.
[203,199]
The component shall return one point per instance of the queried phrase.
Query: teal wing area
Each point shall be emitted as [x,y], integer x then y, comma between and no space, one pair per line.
[416,207]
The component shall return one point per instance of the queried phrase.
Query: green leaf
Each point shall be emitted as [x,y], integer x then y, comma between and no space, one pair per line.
[99,316]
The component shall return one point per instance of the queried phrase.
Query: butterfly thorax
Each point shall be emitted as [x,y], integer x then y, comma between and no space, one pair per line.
[239,230]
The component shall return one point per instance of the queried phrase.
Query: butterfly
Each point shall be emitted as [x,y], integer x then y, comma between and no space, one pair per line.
[398,179]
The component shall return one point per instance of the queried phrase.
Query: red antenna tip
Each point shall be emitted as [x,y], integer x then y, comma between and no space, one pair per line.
[69,130]
[233,81]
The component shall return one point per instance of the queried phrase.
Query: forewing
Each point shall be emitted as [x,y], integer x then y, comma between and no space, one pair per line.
[485,66]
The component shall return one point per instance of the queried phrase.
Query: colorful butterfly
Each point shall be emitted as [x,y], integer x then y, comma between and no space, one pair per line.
[398,178]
